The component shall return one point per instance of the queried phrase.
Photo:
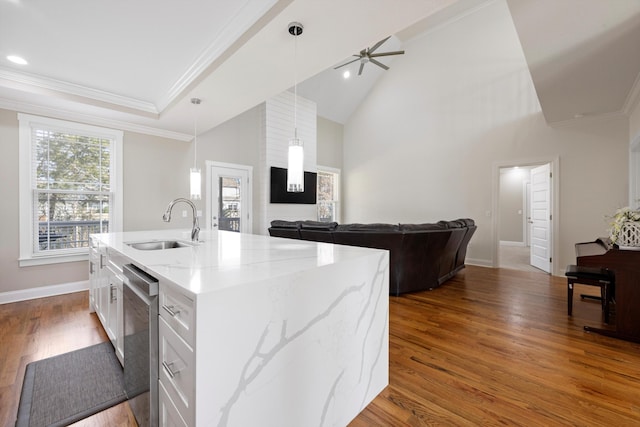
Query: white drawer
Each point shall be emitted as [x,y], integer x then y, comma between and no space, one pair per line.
[179,312]
[169,415]
[177,370]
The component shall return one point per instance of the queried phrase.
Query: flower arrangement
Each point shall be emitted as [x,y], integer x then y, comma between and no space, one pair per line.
[621,218]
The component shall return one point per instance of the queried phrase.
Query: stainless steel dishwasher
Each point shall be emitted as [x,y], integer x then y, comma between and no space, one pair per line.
[140,306]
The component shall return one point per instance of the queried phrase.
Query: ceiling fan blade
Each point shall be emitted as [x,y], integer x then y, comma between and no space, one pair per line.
[377,45]
[361,67]
[347,63]
[379,64]
[395,52]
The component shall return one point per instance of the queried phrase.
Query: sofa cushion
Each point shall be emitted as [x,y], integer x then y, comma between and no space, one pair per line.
[317,225]
[278,223]
[421,227]
[451,224]
[377,227]
[468,222]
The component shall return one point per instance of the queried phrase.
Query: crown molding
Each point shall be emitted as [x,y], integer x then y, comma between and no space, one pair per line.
[587,118]
[45,83]
[228,40]
[58,113]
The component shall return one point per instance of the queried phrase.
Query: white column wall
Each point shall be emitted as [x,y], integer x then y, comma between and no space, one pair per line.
[278,115]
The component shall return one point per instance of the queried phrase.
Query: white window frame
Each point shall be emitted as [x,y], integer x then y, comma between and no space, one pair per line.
[336,189]
[26,122]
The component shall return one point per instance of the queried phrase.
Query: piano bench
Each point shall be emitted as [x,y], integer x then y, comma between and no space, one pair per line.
[593,276]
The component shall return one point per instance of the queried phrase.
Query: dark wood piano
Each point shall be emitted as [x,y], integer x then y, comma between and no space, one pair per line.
[626,266]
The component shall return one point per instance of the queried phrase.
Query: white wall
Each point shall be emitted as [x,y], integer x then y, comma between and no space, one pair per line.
[234,141]
[634,122]
[634,157]
[155,171]
[424,144]
[330,143]
[511,205]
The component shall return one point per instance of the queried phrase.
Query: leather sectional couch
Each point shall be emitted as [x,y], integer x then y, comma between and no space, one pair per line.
[421,256]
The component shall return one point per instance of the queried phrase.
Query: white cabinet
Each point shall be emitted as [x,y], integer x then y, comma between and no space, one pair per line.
[105,293]
[98,294]
[177,370]
[94,274]
[169,415]
[176,356]
[114,316]
[178,311]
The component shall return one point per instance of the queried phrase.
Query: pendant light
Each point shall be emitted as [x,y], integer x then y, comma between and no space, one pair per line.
[194,175]
[295,165]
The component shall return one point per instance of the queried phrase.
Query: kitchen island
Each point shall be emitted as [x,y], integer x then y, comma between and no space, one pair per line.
[256,330]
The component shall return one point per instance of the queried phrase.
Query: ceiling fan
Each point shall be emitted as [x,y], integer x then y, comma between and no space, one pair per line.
[368,55]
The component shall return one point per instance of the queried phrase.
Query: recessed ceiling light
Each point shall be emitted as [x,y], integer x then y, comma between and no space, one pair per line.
[346,74]
[17,60]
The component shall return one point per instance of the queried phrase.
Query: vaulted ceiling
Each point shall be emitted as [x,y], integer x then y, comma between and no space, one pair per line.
[583,55]
[138,63]
[135,65]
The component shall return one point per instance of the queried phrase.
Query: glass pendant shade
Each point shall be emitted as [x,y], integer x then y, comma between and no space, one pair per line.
[195,183]
[295,167]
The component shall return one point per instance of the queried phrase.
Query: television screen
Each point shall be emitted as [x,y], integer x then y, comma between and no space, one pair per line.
[279,193]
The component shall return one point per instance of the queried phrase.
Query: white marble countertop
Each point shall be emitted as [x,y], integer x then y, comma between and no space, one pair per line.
[223,259]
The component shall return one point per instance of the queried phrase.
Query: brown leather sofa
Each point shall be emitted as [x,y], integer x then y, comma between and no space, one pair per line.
[421,256]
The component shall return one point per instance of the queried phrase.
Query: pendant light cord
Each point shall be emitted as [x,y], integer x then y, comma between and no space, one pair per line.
[295,87]
[195,142]
[195,101]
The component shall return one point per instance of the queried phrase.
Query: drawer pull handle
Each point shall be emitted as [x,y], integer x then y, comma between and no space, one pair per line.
[171,309]
[169,368]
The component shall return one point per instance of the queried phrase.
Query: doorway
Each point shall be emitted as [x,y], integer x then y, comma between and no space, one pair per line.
[524,202]
[229,197]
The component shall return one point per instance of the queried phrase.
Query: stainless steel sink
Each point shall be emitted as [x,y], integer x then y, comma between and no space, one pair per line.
[155,245]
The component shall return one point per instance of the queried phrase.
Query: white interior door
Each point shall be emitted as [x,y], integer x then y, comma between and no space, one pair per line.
[230,197]
[541,217]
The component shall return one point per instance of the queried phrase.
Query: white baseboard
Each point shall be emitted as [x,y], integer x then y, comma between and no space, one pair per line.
[43,291]
[479,262]
[508,243]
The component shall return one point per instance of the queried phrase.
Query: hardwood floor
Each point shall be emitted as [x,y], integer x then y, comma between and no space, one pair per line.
[489,347]
[41,328]
[496,347]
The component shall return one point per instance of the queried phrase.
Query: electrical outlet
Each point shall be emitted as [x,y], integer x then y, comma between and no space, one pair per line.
[184,214]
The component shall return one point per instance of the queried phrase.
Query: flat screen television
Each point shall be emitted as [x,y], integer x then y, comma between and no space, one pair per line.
[279,193]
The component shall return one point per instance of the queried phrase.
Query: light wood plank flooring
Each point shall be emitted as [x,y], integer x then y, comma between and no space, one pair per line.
[489,347]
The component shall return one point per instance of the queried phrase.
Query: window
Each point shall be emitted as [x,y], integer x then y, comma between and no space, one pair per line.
[70,187]
[328,194]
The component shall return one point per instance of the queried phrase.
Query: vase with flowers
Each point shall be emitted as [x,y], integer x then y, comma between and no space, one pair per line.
[625,228]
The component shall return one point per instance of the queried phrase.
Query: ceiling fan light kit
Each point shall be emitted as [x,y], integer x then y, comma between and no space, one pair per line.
[369,54]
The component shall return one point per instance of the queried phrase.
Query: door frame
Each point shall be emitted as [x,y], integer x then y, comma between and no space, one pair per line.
[555,207]
[209,165]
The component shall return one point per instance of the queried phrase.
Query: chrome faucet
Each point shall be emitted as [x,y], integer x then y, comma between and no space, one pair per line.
[195,231]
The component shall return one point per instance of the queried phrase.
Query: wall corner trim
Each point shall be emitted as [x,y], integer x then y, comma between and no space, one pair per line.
[43,291]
